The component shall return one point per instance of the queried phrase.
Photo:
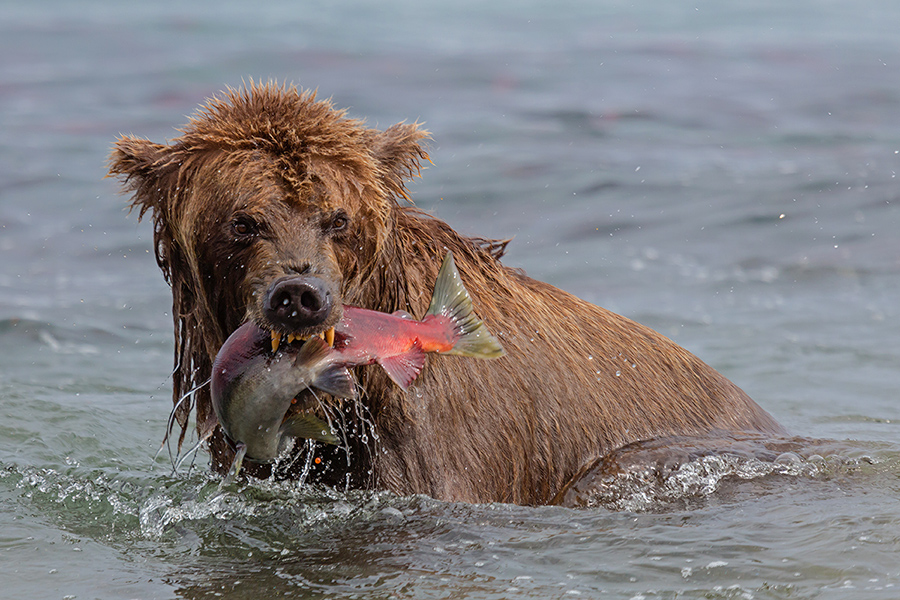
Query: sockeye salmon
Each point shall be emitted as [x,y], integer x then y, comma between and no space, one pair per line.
[255,377]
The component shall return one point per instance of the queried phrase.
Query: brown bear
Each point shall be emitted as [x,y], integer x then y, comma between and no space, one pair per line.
[267,187]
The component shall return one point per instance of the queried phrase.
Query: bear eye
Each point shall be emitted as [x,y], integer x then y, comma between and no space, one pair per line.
[339,222]
[243,227]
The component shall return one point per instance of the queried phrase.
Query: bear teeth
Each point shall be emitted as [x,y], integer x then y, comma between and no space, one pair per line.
[327,335]
[276,340]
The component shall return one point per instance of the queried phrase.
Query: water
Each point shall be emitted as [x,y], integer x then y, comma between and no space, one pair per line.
[723,172]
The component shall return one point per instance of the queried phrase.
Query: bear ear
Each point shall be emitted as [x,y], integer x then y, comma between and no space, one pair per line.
[141,165]
[398,151]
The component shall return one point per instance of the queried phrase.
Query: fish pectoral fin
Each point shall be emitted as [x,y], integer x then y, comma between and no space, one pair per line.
[404,368]
[309,427]
[327,372]
[231,476]
[336,380]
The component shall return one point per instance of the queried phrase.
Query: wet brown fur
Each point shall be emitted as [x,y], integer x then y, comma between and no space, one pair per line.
[578,381]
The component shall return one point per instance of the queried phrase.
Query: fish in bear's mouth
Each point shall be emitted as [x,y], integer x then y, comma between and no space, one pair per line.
[263,382]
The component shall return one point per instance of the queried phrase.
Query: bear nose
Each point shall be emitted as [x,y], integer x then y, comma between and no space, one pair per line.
[298,303]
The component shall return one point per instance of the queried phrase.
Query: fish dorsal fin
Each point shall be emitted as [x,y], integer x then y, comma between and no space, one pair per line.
[309,426]
[452,300]
[404,368]
[403,315]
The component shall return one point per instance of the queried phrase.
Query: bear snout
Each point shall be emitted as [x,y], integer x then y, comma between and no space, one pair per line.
[298,303]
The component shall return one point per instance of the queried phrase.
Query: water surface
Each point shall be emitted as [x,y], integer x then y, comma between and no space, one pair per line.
[725,174]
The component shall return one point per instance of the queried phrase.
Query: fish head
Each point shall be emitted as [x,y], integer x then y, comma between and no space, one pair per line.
[264,397]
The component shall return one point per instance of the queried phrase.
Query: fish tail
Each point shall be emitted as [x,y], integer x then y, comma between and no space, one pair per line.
[326,373]
[451,299]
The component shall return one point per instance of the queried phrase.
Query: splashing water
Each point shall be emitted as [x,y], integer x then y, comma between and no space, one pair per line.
[661,474]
